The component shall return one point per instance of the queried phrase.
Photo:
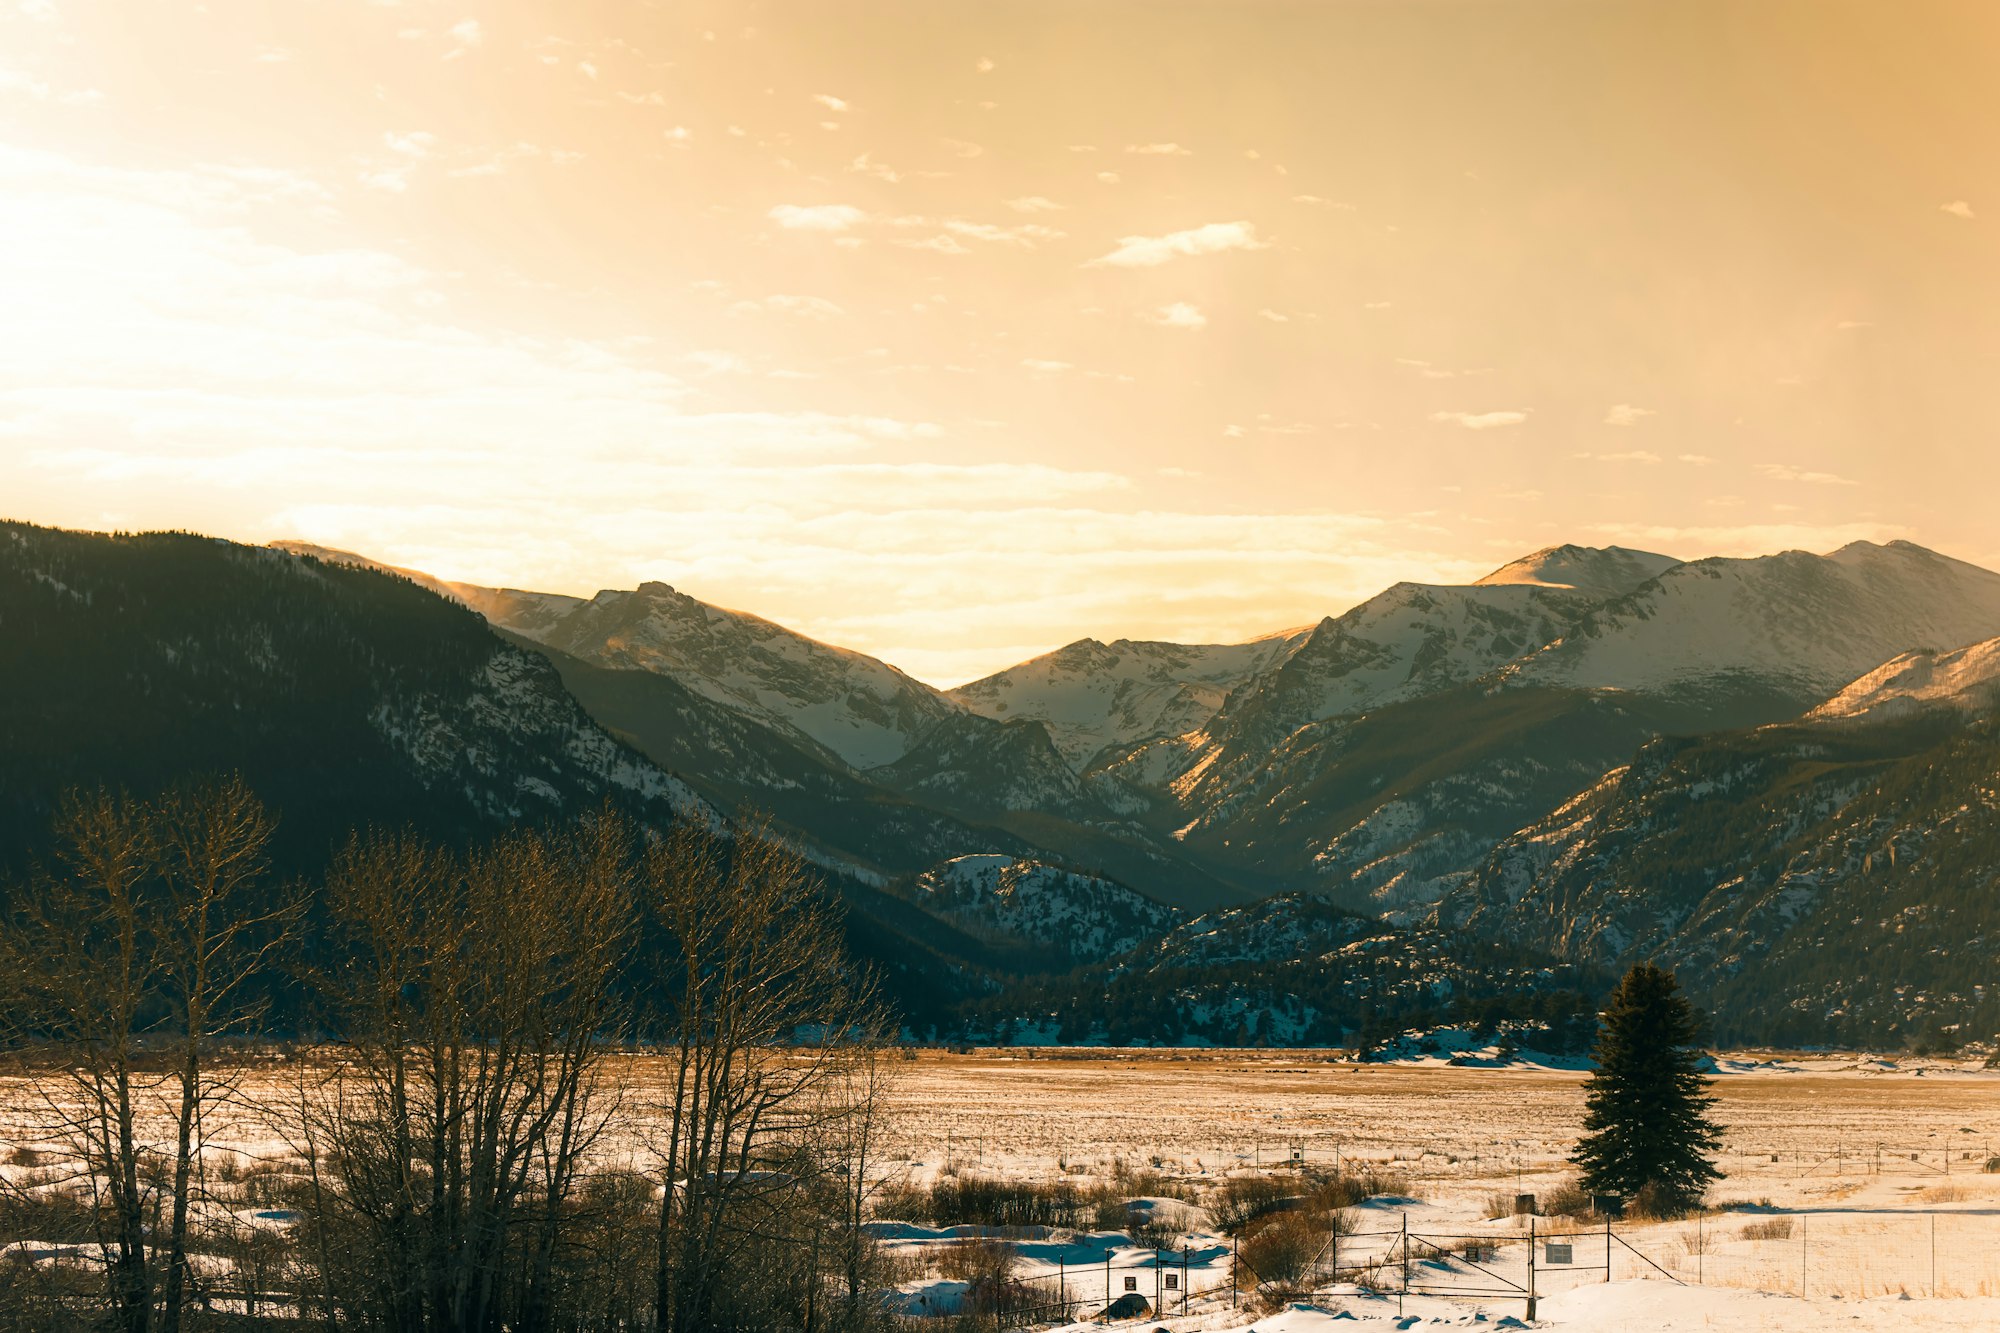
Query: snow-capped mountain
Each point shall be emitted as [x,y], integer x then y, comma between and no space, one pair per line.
[1797,623]
[860,711]
[863,711]
[1377,757]
[1403,739]
[1097,696]
[1411,641]
[1600,571]
[754,715]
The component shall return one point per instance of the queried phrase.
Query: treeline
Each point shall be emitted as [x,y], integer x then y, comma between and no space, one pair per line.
[572,1079]
[1417,980]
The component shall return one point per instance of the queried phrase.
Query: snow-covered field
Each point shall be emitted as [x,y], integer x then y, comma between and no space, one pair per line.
[1861,1183]
[1856,1192]
[1025,1111]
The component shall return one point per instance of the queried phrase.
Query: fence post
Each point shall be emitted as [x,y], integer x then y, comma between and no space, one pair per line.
[1802,1255]
[1156,1279]
[1607,1247]
[1184,1272]
[1404,1289]
[1531,1268]
[1108,1298]
[1934,1286]
[1235,1275]
[1700,1251]
[1062,1283]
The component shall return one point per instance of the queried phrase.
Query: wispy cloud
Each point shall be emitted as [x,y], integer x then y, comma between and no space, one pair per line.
[1480,420]
[1786,472]
[1179,315]
[1159,150]
[1624,414]
[1958,208]
[1149,251]
[867,165]
[830,102]
[464,35]
[1034,203]
[1628,456]
[817,217]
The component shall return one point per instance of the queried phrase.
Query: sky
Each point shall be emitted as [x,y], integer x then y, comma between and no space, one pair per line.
[954,332]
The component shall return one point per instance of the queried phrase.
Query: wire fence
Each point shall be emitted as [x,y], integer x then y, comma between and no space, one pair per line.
[1807,1253]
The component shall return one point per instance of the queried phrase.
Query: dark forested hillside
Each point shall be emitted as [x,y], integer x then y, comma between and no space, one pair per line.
[1824,881]
[343,697]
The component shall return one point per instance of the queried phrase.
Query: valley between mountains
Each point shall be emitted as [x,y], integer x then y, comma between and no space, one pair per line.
[1781,775]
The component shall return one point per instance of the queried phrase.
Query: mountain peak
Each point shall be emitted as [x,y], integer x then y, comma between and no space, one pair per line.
[1606,571]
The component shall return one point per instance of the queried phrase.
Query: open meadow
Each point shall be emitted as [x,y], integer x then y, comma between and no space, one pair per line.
[1023,1188]
[1845,1180]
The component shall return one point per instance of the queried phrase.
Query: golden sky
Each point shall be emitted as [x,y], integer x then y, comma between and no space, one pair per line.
[953,332]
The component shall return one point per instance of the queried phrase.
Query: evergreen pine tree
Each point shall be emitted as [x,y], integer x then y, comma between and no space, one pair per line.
[1647,1135]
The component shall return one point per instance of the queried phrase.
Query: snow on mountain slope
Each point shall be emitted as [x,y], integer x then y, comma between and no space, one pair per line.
[864,712]
[1287,927]
[1968,679]
[1609,571]
[1800,623]
[1095,696]
[1814,880]
[1412,641]
[533,615]
[1083,917]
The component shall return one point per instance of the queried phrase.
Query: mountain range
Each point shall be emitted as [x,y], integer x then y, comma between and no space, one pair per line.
[1450,769]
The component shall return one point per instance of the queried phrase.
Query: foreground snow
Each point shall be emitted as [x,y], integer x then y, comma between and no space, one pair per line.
[1626,1307]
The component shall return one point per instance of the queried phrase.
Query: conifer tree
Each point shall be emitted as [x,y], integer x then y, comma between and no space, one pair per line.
[1647,1135]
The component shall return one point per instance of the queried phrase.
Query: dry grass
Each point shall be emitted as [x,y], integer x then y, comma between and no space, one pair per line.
[1770,1228]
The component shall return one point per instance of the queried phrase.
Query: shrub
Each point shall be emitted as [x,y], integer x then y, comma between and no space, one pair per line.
[1770,1228]
[1567,1199]
[1162,1228]
[1153,1185]
[988,1202]
[980,1262]
[1242,1200]
[1332,1192]
[1282,1249]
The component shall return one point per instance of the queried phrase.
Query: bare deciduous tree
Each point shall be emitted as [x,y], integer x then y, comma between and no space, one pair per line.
[213,936]
[145,936]
[761,1014]
[473,1004]
[78,949]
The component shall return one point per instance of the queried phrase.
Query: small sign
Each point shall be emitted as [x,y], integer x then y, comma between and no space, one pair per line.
[1561,1254]
[1131,1282]
[1479,1252]
[1173,1282]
